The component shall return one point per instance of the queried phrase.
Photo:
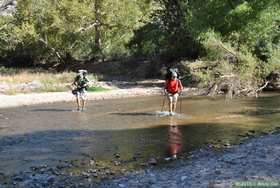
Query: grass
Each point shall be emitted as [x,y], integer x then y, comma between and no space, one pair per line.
[98,89]
[36,81]
[28,76]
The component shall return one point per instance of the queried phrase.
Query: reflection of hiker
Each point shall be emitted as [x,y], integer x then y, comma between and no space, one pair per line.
[80,86]
[175,140]
[173,88]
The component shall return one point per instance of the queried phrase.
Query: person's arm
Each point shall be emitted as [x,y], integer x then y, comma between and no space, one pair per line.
[74,83]
[165,87]
[180,86]
[86,82]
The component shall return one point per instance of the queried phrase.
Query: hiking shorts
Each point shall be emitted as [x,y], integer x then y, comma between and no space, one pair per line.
[82,94]
[172,97]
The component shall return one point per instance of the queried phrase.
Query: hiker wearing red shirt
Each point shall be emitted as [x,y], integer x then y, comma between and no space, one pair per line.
[173,88]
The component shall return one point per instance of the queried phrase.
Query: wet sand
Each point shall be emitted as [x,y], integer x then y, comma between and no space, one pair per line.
[7,101]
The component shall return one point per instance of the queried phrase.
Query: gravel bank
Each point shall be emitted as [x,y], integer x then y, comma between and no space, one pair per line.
[255,163]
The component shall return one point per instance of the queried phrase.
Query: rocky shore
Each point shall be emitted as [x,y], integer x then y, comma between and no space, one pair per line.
[254,163]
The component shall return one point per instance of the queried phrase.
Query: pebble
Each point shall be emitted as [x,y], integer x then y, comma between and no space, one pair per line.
[91,162]
[121,185]
[218,172]
[152,161]
[51,179]
[183,178]
[84,174]
[117,163]
[116,155]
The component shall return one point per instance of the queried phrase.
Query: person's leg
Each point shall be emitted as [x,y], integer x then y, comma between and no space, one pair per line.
[83,99]
[78,102]
[82,104]
[174,104]
[170,107]
[170,103]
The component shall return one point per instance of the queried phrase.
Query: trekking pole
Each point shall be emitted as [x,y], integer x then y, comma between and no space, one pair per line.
[163,103]
[180,103]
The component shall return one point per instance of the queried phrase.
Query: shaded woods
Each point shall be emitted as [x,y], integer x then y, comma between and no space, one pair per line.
[224,45]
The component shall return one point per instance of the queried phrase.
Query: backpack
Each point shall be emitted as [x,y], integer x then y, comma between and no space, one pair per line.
[169,73]
[81,82]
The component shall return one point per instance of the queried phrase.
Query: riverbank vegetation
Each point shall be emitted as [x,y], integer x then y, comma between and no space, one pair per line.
[15,81]
[233,45]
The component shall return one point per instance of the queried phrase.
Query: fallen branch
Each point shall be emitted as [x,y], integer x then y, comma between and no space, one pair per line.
[261,88]
[264,86]
[228,76]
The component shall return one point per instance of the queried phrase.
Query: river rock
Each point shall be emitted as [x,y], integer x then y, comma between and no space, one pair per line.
[51,179]
[183,178]
[91,162]
[152,161]
[121,185]
[116,155]
[85,174]
[117,163]
[218,172]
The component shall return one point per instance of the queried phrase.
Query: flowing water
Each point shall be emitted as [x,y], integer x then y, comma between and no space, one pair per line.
[48,134]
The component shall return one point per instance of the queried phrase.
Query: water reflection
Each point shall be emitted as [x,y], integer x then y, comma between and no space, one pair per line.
[174,139]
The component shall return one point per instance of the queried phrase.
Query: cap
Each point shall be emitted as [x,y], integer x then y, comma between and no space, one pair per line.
[82,71]
[174,74]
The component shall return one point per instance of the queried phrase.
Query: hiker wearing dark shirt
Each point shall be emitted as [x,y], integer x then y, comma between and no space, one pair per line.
[80,86]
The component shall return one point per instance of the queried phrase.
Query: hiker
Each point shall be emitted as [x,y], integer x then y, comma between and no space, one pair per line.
[80,85]
[173,88]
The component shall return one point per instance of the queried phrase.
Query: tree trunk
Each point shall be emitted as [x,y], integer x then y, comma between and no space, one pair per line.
[97,7]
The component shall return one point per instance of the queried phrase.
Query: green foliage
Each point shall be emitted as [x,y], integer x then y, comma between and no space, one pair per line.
[176,27]
[55,32]
[8,71]
[167,34]
[215,48]
[69,30]
[226,63]
[274,61]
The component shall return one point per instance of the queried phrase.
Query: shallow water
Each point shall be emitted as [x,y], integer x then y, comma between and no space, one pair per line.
[48,134]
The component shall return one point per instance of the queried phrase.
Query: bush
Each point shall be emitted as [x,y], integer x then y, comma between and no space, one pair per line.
[274,61]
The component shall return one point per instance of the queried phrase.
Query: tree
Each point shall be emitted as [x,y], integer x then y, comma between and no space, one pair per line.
[167,34]
[59,32]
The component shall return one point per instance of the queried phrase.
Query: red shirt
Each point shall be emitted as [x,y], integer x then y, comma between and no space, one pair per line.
[173,86]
